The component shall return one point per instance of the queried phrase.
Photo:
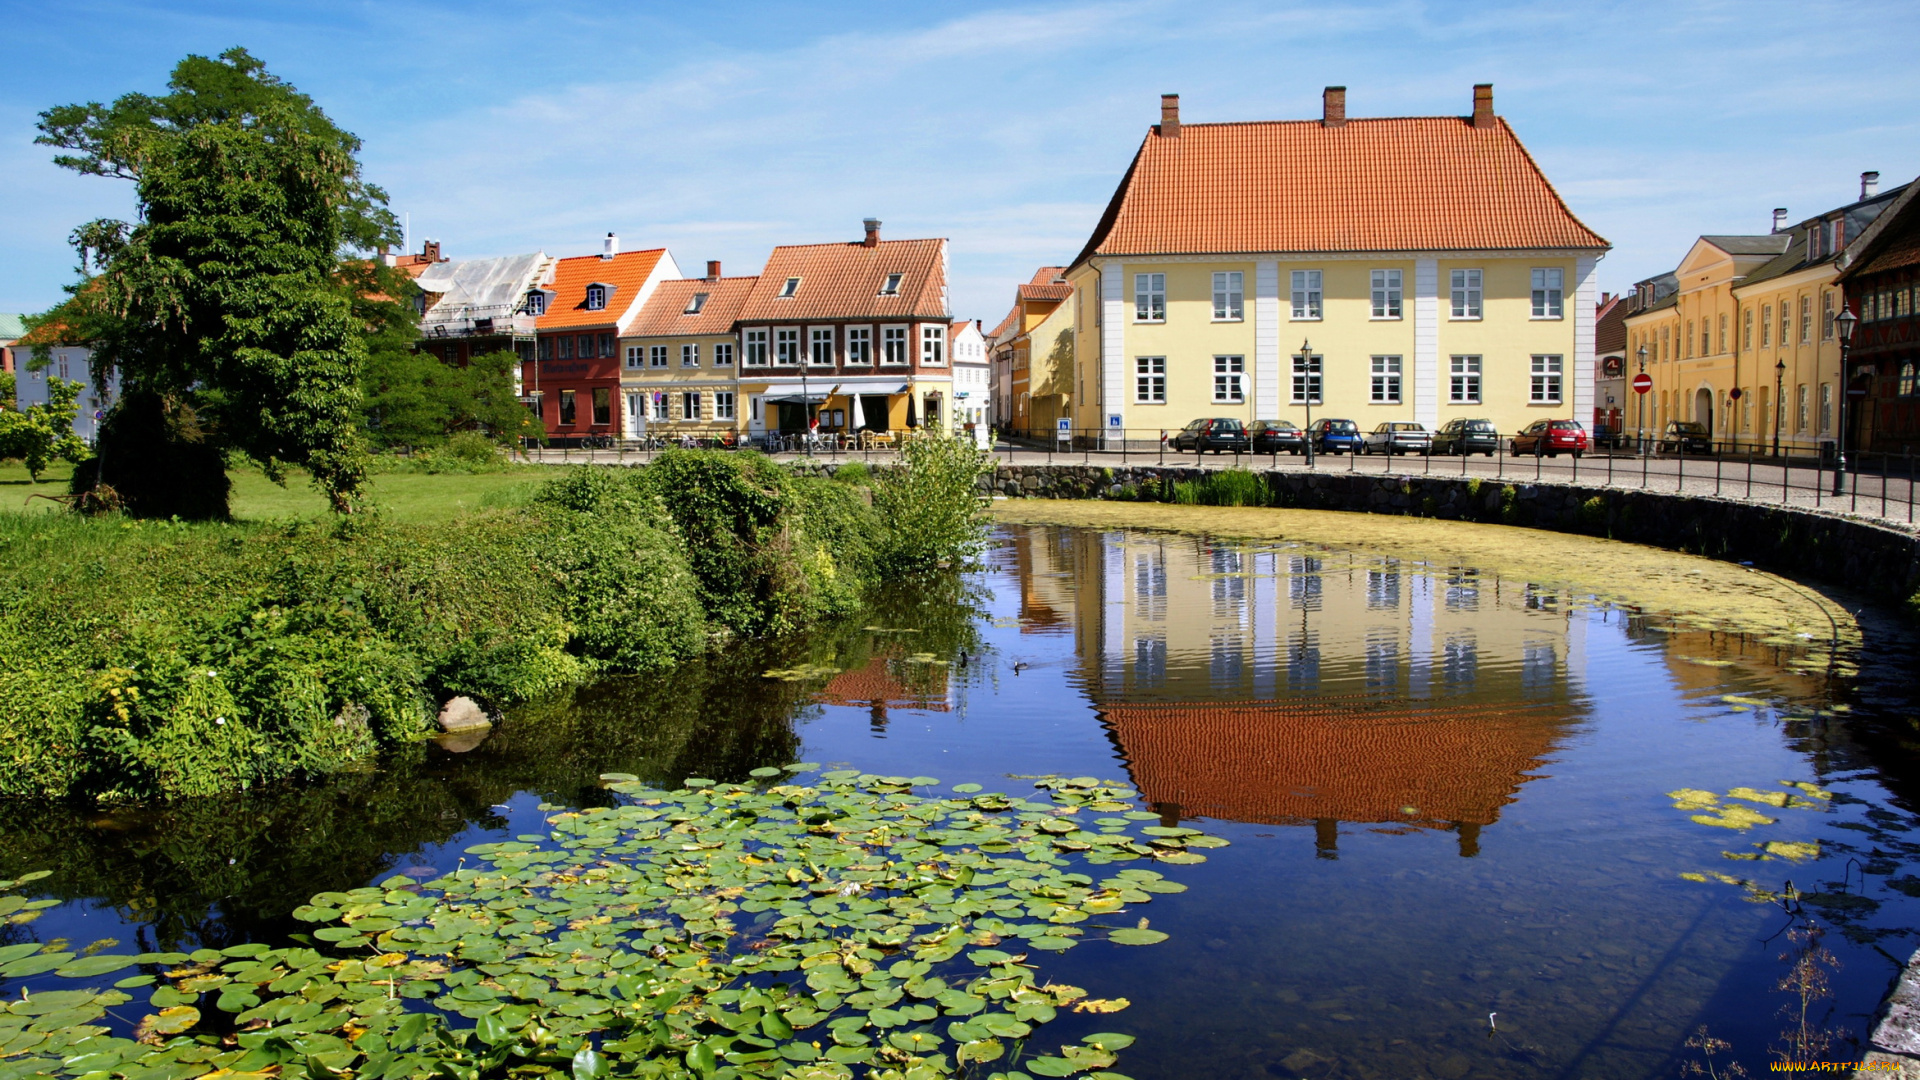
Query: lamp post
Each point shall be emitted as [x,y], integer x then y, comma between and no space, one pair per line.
[1640,432]
[1845,324]
[1779,400]
[1308,386]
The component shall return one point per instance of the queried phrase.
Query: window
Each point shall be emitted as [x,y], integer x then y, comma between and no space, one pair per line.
[787,290]
[1723,334]
[1229,295]
[1548,288]
[723,354]
[1907,384]
[756,348]
[1466,294]
[634,353]
[566,407]
[1813,242]
[690,355]
[1786,320]
[546,348]
[1666,344]
[607,346]
[603,405]
[690,405]
[1746,331]
[786,346]
[659,407]
[563,348]
[1149,297]
[1800,413]
[1307,377]
[723,405]
[1465,386]
[1806,320]
[656,356]
[695,303]
[1227,371]
[1306,294]
[1150,380]
[860,345]
[596,298]
[820,346]
[1546,380]
[933,345]
[536,303]
[1386,380]
[1766,326]
[586,346]
[1826,407]
[1386,293]
[1689,339]
[893,344]
[1900,309]
[890,287]
[1826,317]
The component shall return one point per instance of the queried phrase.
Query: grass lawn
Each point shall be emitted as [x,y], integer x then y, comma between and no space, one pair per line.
[410,497]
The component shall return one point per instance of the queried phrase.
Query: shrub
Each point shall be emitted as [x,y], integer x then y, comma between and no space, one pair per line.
[854,472]
[931,505]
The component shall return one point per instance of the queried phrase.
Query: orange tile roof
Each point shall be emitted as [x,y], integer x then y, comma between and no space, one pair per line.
[627,272]
[1046,292]
[1049,275]
[1281,762]
[665,313]
[1403,184]
[1013,316]
[842,281]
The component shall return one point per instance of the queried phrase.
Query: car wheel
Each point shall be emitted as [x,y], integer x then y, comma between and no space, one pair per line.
[1577,454]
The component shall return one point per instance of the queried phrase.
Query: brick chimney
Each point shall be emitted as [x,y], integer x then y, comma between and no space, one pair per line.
[430,250]
[1869,184]
[1483,105]
[713,269]
[1333,107]
[873,232]
[1169,116]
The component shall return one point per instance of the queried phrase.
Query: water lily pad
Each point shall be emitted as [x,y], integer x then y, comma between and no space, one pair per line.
[1136,936]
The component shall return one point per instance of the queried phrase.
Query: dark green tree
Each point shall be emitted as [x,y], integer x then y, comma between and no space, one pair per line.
[225,309]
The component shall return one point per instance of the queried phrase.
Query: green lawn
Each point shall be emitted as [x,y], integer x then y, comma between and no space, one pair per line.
[410,497]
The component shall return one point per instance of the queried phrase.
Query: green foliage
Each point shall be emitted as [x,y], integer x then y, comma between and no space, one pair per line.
[413,399]
[855,473]
[9,390]
[931,504]
[156,462]
[1227,487]
[617,951]
[39,434]
[1592,515]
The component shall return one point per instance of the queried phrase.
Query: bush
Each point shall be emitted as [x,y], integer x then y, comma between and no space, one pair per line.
[931,505]
[855,473]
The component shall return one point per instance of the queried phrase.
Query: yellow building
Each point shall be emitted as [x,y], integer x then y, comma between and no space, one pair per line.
[1425,263]
[680,366]
[1036,342]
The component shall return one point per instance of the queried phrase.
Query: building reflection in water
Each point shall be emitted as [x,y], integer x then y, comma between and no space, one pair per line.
[1279,685]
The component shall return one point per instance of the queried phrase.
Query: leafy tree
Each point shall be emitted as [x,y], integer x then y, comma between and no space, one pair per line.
[40,433]
[226,303]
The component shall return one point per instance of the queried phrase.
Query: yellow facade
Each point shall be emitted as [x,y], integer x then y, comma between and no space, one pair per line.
[1376,364]
[1043,369]
[658,373]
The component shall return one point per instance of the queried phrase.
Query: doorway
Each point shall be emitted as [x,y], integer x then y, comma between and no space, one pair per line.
[1703,409]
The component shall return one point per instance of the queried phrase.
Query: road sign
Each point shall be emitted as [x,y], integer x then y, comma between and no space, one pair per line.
[1063,429]
[1642,383]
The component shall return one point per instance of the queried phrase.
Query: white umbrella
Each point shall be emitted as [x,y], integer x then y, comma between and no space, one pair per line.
[859,415]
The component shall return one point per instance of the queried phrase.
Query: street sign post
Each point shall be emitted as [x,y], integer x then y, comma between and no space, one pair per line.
[1063,429]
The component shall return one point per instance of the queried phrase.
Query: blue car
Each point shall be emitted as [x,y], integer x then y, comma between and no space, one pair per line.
[1336,437]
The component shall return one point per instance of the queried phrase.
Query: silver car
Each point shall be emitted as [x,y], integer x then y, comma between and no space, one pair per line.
[1397,437]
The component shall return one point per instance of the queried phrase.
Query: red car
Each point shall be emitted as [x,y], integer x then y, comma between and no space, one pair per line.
[1551,437]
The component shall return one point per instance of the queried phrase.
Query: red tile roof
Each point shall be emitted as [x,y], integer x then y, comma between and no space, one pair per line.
[842,281]
[665,312]
[1049,275]
[1403,184]
[1046,292]
[1006,324]
[627,272]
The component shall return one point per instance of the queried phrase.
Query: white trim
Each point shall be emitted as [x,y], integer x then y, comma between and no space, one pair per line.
[1426,342]
[1585,286]
[1266,339]
[1111,386]
[664,270]
[1345,256]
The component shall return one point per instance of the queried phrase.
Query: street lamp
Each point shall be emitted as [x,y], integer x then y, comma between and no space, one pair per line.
[1779,400]
[1845,324]
[1307,388]
[1640,435]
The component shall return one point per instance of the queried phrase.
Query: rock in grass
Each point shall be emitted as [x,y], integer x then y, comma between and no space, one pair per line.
[463,714]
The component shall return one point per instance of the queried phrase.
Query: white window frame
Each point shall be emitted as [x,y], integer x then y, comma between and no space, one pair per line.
[788,288]
[1150,380]
[1229,296]
[891,286]
[636,357]
[1309,296]
[1468,294]
[1549,292]
[1309,378]
[656,356]
[689,397]
[895,344]
[1150,298]
[816,337]
[1385,381]
[1229,380]
[1385,286]
[695,303]
[786,346]
[723,354]
[596,298]
[1546,374]
[859,346]
[723,405]
[758,352]
[1464,372]
[536,302]
[933,345]
[657,407]
[689,354]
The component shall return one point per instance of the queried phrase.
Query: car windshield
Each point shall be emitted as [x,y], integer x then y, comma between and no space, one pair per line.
[1566,425]
[1687,428]
[1342,425]
[1226,425]
[1480,425]
[1408,427]
[1278,425]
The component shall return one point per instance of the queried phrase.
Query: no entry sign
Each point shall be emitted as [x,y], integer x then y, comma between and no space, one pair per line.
[1642,383]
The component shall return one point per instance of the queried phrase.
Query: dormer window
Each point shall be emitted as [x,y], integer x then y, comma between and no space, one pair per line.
[536,303]
[892,286]
[694,305]
[596,298]
[792,286]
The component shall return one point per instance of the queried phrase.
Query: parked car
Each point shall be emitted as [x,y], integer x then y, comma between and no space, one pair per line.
[1551,438]
[1220,434]
[1277,436]
[1467,437]
[1335,436]
[1686,437]
[1609,438]
[1397,437]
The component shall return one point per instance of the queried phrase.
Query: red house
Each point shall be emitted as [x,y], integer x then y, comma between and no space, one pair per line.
[573,380]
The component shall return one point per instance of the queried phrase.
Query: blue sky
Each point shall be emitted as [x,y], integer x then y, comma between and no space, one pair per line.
[721,129]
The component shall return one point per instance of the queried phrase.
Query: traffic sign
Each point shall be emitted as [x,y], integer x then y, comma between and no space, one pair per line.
[1642,383]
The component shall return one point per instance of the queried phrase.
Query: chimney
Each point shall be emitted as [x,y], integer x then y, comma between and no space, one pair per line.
[713,269]
[1869,184]
[1333,107]
[612,246]
[1169,116]
[1483,105]
[1779,218]
[430,250]
[873,232]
